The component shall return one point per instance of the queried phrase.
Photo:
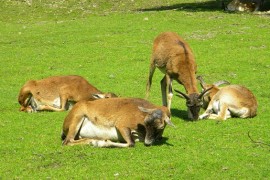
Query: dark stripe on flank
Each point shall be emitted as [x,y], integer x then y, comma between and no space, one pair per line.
[183,45]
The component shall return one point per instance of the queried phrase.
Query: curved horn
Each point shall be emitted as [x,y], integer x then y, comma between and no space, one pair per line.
[221,82]
[202,83]
[203,93]
[182,94]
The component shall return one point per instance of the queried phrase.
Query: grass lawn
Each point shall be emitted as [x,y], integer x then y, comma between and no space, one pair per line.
[109,43]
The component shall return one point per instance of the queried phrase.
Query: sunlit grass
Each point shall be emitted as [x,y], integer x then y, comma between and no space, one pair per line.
[109,43]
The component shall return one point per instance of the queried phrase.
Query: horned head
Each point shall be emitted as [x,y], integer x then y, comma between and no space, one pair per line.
[155,122]
[215,88]
[193,102]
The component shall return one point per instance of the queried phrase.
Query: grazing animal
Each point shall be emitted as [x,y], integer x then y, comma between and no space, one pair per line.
[230,101]
[115,122]
[173,56]
[57,93]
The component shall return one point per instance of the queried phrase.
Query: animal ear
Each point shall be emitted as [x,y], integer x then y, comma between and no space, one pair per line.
[98,96]
[182,95]
[149,111]
[155,113]
[152,114]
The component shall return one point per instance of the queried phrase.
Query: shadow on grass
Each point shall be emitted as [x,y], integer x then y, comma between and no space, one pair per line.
[193,6]
[212,5]
[180,114]
[162,142]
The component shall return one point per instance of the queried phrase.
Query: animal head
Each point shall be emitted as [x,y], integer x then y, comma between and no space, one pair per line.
[24,99]
[155,123]
[209,95]
[193,102]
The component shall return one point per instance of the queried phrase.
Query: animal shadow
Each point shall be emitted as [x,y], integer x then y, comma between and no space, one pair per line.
[162,142]
[180,113]
[193,6]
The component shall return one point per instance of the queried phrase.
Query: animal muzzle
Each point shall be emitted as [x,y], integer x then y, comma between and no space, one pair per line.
[193,113]
[149,142]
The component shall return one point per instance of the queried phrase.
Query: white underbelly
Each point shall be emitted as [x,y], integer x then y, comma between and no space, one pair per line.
[90,130]
[217,108]
[57,103]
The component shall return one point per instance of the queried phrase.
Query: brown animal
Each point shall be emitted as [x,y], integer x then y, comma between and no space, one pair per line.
[173,56]
[230,101]
[115,122]
[243,5]
[57,93]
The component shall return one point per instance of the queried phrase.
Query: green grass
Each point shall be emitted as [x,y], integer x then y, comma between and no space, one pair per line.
[109,43]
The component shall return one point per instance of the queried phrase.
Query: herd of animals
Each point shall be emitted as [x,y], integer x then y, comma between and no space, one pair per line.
[113,121]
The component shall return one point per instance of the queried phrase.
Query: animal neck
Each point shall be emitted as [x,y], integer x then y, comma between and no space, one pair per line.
[190,83]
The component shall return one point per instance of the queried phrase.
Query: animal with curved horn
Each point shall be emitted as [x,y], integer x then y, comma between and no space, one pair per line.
[230,101]
[115,122]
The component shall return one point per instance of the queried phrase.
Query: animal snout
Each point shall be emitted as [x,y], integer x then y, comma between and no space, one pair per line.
[148,142]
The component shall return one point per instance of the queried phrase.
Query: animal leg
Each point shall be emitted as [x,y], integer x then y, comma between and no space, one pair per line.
[108,143]
[223,113]
[208,111]
[63,102]
[149,82]
[245,113]
[163,85]
[127,136]
[95,143]
[72,142]
[49,108]
[170,93]
[206,114]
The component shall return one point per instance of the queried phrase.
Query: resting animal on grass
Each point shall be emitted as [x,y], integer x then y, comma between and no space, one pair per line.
[115,122]
[173,56]
[57,93]
[230,101]
[243,5]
